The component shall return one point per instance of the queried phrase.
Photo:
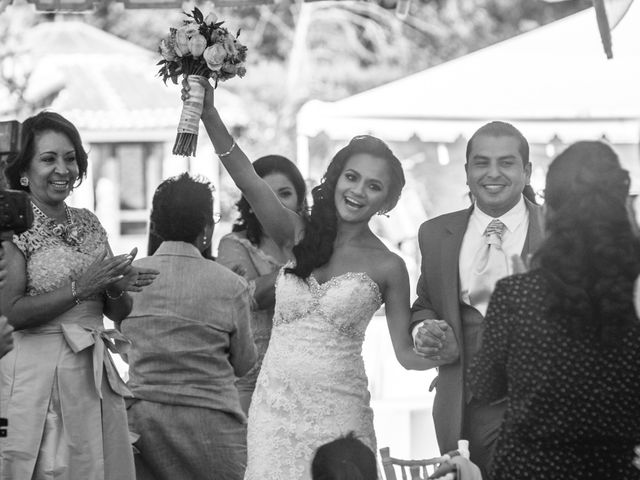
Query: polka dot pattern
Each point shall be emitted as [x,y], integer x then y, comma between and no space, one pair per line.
[574,404]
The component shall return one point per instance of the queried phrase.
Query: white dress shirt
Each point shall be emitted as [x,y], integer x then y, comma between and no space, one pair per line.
[517,223]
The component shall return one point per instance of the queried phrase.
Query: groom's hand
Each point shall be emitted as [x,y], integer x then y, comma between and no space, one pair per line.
[435,340]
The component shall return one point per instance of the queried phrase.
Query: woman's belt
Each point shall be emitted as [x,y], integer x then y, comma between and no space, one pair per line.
[80,337]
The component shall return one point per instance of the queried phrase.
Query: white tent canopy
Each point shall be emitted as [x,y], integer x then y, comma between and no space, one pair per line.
[552,81]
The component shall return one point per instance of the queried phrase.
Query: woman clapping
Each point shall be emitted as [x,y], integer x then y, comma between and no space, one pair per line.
[60,389]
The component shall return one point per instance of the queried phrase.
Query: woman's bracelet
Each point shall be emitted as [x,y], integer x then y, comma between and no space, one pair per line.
[113,297]
[228,152]
[74,293]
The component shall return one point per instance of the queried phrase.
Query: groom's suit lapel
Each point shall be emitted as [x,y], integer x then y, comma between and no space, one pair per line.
[454,233]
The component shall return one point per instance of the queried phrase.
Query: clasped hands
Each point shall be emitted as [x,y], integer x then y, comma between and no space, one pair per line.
[434,340]
[114,275]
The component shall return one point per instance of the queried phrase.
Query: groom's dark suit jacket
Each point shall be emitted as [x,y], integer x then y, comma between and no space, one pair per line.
[440,240]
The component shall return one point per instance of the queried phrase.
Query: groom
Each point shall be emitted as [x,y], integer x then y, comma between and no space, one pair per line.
[463,254]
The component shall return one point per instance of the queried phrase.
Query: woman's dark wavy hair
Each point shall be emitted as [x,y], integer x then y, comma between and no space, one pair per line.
[182,206]
[32,127]
[247,221]
[591,255]
[345,458]
[316,247]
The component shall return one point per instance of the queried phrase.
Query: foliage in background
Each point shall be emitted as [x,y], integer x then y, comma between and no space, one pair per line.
[340,48]
[325,50]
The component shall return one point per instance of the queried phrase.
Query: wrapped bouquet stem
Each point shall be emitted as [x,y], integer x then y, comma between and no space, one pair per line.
[199,50]
[187,137]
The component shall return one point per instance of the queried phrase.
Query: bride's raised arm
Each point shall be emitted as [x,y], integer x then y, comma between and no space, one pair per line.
[280,223]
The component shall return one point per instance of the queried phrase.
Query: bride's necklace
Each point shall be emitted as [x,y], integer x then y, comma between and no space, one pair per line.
[69,232]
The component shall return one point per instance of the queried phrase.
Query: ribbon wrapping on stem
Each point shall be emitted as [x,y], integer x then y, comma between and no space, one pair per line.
[187,137]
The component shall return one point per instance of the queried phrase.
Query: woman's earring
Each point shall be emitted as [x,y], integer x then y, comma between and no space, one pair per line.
[24,181]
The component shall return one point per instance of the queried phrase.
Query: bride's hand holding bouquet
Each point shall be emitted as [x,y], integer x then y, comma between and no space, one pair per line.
[199,50]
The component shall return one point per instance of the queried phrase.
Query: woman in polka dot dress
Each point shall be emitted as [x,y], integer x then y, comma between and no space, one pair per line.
[562,341]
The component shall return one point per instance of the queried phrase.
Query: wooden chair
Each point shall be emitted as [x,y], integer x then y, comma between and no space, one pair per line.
[417,469]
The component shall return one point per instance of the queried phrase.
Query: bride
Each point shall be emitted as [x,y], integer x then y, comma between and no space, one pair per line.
[312,387]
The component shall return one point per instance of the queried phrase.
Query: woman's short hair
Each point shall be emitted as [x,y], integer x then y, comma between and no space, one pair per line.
[182,207]
[33,126]
[264,166]
[345,458]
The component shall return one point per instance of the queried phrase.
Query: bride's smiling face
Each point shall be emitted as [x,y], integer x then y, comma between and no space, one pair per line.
[362,188]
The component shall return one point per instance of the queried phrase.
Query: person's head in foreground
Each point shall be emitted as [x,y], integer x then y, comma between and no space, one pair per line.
[182,211]
[591,252]
[345,458]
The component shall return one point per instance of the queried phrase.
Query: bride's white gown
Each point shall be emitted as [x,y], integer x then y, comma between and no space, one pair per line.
[312,387]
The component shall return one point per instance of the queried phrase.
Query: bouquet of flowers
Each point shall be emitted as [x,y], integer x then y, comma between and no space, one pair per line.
[200,48]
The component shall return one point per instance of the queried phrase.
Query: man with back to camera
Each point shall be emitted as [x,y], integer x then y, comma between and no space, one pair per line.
[463,254]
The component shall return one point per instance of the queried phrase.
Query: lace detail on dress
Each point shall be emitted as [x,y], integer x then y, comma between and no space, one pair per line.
[312,387]
[52,262]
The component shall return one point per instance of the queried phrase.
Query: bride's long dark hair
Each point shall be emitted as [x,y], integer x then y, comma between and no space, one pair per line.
[591,255]
[316,247]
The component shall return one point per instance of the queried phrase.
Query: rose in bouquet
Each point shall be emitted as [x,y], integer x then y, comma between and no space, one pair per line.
[200,48]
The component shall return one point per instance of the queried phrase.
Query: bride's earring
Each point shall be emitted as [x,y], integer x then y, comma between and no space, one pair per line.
[24,181]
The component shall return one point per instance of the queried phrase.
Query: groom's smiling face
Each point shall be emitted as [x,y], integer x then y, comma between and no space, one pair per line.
[496,173]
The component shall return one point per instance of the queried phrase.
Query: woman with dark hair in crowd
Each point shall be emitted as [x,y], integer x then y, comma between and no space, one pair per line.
[190,337]
[60,390]
[312,386]
[345,458]
[250,251]
[563,341]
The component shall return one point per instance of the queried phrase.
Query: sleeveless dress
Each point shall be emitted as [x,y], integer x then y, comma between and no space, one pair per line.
[312,387]
[235,249]
[58,386]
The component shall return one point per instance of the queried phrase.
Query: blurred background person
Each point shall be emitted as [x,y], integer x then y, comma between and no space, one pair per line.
[60,389]
[563,340]
[248,250]
[191,337]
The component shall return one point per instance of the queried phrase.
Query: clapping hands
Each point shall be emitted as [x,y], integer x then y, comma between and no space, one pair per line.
[113,273]
[136,278]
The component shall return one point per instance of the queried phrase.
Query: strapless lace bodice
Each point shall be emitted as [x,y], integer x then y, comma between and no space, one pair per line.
[312,387]
[345,303]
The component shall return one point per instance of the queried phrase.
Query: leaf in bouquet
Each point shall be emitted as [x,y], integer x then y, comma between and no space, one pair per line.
[238,33]
[217,25]
[197,15]
[161,62]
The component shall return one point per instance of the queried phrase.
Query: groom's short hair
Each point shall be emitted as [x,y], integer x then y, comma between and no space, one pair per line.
[501,129]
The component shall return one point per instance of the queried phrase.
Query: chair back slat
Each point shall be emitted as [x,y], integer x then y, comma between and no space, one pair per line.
[409,469]
[387,464]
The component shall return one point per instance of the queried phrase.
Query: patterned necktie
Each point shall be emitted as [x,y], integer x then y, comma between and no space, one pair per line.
[489,265]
